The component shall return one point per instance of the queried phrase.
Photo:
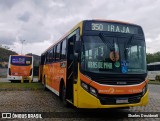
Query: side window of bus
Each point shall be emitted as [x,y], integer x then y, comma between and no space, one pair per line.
[46,57]
[77,34]
[58,51]
[157,67]
[151,67]
[74,36]
[50,55]
[53,55]
[63,51]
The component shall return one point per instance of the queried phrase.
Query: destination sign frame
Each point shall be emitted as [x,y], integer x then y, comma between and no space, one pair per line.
[112,27]
[18,60]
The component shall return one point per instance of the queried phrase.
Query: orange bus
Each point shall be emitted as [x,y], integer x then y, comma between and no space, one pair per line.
[20,67]
[98,64]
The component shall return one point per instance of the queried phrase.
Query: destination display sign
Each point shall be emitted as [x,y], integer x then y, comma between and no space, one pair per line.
[111,27]
[18,60]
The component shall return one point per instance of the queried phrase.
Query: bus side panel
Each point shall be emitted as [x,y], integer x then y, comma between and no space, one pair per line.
[59,74]
[47,75]
[152,75]
[77,89]
[53,74]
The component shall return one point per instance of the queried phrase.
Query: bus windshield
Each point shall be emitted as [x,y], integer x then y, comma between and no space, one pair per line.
[21,60]
[110,54]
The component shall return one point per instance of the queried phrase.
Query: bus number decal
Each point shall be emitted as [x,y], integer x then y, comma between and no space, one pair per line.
[97,27]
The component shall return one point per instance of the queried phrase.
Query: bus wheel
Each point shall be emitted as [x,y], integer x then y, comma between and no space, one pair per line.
[44,85]
[40,80]
[63,96]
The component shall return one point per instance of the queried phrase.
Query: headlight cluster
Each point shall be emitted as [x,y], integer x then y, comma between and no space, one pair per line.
[144,90]
[89,89]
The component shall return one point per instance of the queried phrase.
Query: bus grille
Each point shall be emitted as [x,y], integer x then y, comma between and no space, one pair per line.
[119,81]
[111,99]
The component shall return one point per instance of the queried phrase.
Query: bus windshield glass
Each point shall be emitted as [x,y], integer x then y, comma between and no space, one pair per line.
[111,54]
[21,60]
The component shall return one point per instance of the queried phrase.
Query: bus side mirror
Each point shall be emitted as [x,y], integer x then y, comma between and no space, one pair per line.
[77,50]
[76,56]
[77,46]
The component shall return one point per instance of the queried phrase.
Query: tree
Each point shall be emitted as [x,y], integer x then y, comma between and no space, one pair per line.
[153,57]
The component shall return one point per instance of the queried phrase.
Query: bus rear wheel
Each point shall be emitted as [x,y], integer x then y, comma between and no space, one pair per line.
[44,85]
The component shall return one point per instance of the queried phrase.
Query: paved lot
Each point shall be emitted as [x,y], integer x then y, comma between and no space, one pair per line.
[46,101]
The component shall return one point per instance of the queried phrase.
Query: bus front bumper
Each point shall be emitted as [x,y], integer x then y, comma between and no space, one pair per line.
[17,78]
[86,100]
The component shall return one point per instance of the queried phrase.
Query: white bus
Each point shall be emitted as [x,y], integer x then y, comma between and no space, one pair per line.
[20,67]
[153,70]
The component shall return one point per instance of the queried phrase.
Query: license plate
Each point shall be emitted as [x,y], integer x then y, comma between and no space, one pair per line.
[123,100]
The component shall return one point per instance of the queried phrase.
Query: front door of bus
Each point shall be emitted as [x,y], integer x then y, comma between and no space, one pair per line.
[71,71]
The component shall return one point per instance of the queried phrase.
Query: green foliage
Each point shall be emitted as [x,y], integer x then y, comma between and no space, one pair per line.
[4,54]
[153,57]
[156,82]
[20,86]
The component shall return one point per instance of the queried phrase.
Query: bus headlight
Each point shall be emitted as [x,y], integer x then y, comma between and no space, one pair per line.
[89,89]
[85,86]
[144,90]
[93,91]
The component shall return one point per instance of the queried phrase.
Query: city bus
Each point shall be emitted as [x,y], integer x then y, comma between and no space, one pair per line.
[20,67]
[98,64]
[153,70]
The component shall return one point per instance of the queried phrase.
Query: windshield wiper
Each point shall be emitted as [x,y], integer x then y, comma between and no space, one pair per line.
[126,46]
[110,45]
[130,40]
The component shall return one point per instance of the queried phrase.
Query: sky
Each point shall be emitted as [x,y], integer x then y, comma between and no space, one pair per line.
[36,24]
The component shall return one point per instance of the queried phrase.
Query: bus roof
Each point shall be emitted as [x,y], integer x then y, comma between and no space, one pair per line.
[154,63]
[100,20]
[114,21]
[22,55]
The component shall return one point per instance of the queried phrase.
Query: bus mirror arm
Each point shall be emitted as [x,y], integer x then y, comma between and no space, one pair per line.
[77,50]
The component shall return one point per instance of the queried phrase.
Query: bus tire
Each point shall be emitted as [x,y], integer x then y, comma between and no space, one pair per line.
[63,96]
[44,85]
[40,80]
